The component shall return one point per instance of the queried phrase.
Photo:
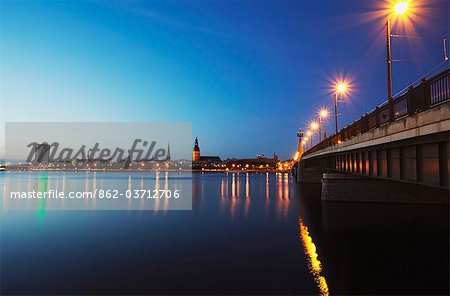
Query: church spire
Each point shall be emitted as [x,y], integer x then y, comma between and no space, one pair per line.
[196,151]
[168,152]
[196,148]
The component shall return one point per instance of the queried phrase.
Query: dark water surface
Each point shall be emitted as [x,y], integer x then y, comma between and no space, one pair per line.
[246,234]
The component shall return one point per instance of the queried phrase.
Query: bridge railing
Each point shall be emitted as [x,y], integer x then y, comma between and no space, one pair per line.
[426,95]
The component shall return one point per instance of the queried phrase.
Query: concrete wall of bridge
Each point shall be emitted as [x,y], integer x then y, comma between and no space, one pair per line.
[412,150]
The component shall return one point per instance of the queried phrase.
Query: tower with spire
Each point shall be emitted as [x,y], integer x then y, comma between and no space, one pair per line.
[196,151]
[168,157]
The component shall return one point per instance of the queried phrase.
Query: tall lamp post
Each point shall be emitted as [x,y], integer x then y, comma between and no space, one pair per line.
[323,115]
[341,88]
[399,9]
[320,128]
[310,137]
[314,126]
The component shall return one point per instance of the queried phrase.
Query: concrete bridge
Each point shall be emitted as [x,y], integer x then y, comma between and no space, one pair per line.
[399,158]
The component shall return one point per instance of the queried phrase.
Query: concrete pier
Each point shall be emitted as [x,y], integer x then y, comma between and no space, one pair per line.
[306,175]
[337,186]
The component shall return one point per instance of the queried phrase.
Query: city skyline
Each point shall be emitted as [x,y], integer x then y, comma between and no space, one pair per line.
[247,76]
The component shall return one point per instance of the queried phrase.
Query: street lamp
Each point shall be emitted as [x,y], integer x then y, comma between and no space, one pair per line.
[305,142]
[314,126]
[400,8]
[323,115]
[310,136]
[341,88]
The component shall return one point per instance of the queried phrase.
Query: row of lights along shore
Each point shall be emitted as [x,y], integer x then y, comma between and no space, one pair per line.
[341,87]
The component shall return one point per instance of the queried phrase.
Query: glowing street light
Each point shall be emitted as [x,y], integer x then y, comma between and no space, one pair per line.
[341,88]
[314,126]
[323,115]
[399,9]
[310,136]
[305,142]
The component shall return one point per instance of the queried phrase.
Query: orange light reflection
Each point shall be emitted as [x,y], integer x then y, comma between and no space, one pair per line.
[315,266]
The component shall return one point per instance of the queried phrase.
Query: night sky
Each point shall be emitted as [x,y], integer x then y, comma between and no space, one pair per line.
[247,74]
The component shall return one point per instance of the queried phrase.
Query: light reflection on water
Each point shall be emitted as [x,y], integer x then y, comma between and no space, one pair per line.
[246,233]
[314,264]
[235,197]
[117,184]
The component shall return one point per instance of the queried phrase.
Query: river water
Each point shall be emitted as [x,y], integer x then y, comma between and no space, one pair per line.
[246,234]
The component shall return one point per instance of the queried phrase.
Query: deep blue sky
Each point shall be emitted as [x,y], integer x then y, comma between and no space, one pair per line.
[247,74]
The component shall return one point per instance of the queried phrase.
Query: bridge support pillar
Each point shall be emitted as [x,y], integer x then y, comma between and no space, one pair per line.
[337,186]
[308,175]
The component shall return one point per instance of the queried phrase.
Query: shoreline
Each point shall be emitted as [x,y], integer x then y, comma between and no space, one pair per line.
[148,171]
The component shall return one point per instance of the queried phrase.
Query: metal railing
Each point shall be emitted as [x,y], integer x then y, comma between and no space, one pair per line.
[426,95]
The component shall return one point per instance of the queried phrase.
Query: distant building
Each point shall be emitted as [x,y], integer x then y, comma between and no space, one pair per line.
[196,151]
[210,158]
[196,157]
[199,161]
[254,163]
[168,157]
[213,163]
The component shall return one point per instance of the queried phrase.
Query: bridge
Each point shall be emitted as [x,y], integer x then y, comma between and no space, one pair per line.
[403,157]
